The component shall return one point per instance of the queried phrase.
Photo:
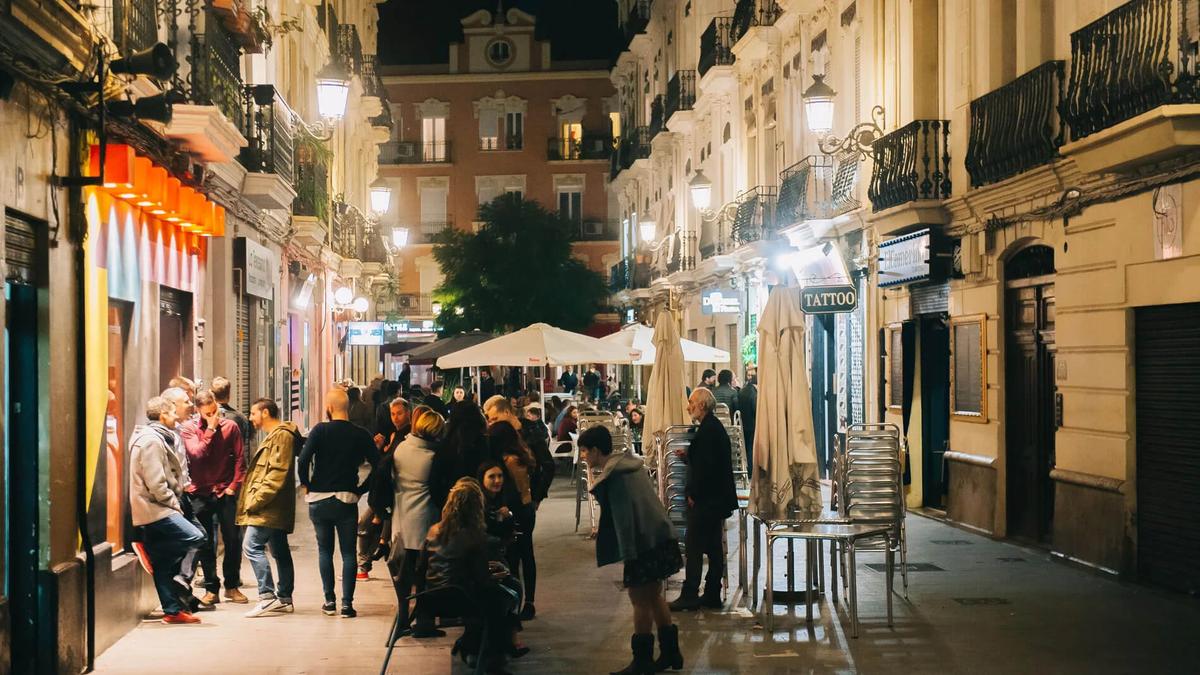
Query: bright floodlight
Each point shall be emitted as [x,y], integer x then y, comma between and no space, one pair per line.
[647,229]
[701,189]
[818,106]
[436,307]
[381,198]
[333,90]
[343,296]
[399,237]
[360,304]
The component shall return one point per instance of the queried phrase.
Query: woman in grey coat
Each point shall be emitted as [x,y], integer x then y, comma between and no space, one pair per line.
[634,528]
[415,511]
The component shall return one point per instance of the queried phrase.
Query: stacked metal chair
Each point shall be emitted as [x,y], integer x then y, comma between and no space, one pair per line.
[672,474]
[868,486]
[582,474]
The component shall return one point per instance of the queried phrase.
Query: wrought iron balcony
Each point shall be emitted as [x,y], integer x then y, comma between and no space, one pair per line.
[632,147]
[410,304]
[750,13]
[911,163]
[501,143]
[657,117]
[375,249]
[681,92]
[590,146]
[818,187]
[370,80]
[348,233]
[135,24]
[415,152]
[428,233]
[1135,58]
[638,20]
[754,219]
[628,274]
[716,45]
[673,253]
[312,179]
[268,132]
[1017,126]
[216,76]
[349,48]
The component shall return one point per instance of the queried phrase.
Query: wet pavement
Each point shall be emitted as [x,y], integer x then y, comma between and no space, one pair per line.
[975,606]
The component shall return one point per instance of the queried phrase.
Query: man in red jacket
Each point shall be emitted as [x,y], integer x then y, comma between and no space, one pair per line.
[216,464]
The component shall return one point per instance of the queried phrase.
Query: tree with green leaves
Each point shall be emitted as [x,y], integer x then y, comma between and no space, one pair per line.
[515,271]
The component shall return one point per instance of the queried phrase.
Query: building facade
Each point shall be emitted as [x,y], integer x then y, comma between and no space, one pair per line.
[1020,224]
[497,116]
[172,235]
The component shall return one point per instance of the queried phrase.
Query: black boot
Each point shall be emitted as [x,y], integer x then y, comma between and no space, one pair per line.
[669,656]
[686,602]
[642,645]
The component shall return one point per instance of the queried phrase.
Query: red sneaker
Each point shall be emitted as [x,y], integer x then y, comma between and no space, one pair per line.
[362,576]
[180,618]
[143,557]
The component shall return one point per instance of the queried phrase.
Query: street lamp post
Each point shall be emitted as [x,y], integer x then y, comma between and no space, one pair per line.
[818,112]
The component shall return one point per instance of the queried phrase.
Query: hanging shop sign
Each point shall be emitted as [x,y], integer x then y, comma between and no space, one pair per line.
[368,333]
[828,299]
[920,256]
[258,265]
[716,302]
[399,331]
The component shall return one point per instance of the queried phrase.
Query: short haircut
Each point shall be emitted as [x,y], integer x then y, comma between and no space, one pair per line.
[220,387]
[500,404]
[205,397]
[268,406]
[436,386]
[158,406]
[173,393]
[708,372]
[399,401]
[338,400]
[725,377]
[181,382]
[597,438]
[706,398]
[429,426]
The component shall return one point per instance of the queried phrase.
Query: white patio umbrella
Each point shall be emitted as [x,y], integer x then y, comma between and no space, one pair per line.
[640,337]
[783,481]
[666,397]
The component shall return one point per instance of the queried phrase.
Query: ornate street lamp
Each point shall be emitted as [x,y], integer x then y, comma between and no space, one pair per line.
[701,189]
[648,229]
[399,237]
[333,91]
[381,197]
[818,109]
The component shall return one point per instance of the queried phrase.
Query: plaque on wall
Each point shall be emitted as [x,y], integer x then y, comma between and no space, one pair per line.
[895,389]
[968,368]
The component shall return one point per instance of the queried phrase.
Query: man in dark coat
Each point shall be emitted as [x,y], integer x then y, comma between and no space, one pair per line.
[434,398]
[748,404]
[711,497]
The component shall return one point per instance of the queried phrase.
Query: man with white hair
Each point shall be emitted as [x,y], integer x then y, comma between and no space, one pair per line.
[711,497]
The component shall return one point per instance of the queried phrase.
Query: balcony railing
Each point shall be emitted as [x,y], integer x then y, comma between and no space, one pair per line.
[657,116]
[375,249]
[754,219]
[639,18]
[818,187]
[427,233]
[596,230]
[415,152]
[911,163]
[673,253]
[312,179]
[716,45]
[216,76]
[1017,126]
[370,80]
[412,304]
[681,92]
[349,48]
[268,132]
[1133,59]
[498,144]
[348,233]
[750,13]
[634,146]
[591,146]
[628,274]
[135,25]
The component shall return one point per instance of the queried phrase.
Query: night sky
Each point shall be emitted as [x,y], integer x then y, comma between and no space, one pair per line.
[418,31]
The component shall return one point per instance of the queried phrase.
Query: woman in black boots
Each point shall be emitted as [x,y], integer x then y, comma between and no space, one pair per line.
[634,528]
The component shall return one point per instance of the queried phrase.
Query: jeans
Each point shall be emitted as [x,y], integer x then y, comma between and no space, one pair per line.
[369,534]
[255,546]
[704,537]
[167,541]
[329,516]
[521,563]
[219,514]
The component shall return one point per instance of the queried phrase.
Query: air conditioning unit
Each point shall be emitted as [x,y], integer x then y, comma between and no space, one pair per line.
[406,150]
[406,302]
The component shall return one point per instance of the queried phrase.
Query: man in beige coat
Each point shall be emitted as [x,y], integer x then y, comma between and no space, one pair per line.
[267,508]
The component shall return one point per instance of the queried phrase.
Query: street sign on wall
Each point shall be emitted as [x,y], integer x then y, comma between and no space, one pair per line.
[828,299]
[715,302]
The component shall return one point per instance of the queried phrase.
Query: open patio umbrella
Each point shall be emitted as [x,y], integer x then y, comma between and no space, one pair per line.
[539,345]
[431,351]
[783,482]
[666,397]
[640,337]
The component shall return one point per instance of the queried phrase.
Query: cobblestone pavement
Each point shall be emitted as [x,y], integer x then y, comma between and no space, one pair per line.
[977,606]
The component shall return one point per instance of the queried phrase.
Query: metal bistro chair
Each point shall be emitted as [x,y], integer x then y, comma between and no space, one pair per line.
[672,472]
[868,488]
[452,600]
[582,474]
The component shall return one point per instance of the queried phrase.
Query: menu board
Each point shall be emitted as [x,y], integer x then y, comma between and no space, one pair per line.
[968,396]
[896,367]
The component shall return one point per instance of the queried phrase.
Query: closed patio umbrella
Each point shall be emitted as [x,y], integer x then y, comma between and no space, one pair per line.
[666,397]
[783,482]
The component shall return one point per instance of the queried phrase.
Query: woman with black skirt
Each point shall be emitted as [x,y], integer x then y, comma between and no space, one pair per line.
[634,528]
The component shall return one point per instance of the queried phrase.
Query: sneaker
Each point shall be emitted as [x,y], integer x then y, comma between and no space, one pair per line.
[198,581]
[143,557]
[363,574]
[348,613]
[180,617]
[528,612]
[236,596]
[329,608]
[286,606]
[265,606]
